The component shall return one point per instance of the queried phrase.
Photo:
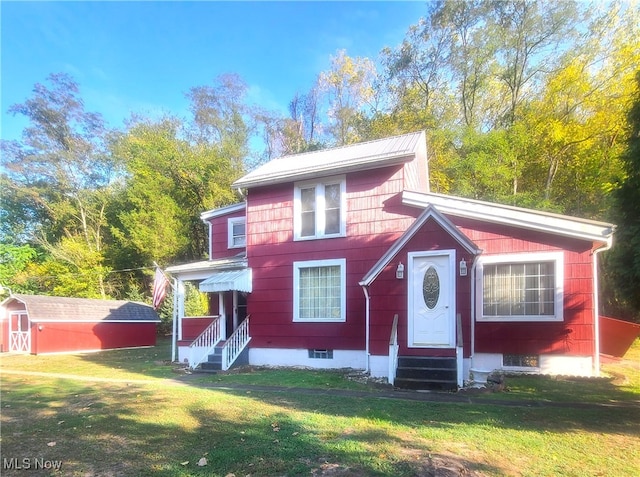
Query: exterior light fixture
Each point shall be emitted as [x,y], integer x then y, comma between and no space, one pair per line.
[400,271]
[463,268]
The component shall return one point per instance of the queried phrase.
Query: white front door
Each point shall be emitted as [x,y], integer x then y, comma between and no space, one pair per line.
[431,310]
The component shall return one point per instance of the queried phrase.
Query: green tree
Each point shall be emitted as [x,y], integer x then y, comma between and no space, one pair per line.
[58,177]
[624,259]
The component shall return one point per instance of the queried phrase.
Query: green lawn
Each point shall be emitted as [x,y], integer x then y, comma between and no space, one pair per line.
[155,427]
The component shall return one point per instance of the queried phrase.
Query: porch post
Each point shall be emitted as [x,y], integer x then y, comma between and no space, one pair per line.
[223,315]
[235,309]
[180,293]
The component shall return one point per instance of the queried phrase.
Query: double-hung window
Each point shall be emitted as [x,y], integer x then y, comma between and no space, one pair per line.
[237,235]
[521,287]
[319,209]
[319,293]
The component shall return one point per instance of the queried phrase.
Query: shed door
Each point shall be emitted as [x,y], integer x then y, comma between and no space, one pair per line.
[431,310]
[19,333]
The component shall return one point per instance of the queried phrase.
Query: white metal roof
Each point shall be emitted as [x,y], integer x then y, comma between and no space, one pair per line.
[229,209]
[516,216]
[338,160]
[238,280]
[204,268]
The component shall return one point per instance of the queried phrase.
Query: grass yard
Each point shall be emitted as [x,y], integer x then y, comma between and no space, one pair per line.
[145,424]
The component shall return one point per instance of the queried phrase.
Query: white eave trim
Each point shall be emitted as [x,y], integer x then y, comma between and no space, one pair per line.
[361,164]
[230,209]
[547,222]
[429,213]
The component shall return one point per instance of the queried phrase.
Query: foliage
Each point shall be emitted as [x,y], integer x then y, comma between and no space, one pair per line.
[60,175]
[624,259]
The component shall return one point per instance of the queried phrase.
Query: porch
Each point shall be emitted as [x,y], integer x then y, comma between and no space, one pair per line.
[217,340]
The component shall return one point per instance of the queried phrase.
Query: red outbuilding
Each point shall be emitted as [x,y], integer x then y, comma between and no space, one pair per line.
[39,324]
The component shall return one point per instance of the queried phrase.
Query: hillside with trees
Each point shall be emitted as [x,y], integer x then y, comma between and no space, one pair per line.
[528,103]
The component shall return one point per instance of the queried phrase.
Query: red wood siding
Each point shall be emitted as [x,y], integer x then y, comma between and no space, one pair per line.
[192,327]
[389,295]
[575,334]
[375,218]
[220,238]
[68,337]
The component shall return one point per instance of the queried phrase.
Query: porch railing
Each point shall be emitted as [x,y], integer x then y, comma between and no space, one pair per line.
[204,344]
[393,350]
[235,344]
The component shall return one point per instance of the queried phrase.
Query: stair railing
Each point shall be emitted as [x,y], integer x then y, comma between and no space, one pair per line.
[204,344]
[235,344]
[393,350]
[459,350]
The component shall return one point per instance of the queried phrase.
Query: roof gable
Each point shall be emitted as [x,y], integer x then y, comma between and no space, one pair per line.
[338,160]
[55,308]
[564,225]
[429,213]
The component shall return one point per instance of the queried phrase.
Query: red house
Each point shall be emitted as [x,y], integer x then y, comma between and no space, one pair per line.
[40,324]
[344,258]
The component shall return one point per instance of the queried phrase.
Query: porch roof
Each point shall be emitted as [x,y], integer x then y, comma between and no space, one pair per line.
[230,280]
[203,268]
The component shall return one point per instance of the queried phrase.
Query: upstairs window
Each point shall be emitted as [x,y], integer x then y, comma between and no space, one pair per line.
[319,209]
[237,232]
[523,287]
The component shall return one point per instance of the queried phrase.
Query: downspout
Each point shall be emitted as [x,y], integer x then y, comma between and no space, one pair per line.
[473,309]
[365,289]
[596,307]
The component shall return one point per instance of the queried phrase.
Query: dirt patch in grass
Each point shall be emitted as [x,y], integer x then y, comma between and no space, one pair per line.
[429,466]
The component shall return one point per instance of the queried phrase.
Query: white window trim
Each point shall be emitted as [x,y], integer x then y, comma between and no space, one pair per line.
[320,217]
[343,289]
[230,223]
[557,257]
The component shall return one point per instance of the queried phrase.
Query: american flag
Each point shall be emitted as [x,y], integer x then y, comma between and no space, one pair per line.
[160,283]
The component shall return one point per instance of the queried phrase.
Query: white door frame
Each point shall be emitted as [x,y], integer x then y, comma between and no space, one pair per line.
[450,291]
[19,339]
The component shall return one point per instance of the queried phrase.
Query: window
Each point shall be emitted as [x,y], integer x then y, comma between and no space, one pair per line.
[319,209]
[320,354]
[524,287]
[319,290]
[236,228]
[520,361]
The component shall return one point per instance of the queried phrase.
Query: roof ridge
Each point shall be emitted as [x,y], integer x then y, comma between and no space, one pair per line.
[345,146]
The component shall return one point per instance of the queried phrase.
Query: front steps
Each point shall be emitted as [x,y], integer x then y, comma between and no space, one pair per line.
[213,364]
[427,373]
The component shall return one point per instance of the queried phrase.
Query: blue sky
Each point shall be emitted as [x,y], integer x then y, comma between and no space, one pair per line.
[143,56]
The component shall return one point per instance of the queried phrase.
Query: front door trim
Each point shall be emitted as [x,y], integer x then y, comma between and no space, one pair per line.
[446,298]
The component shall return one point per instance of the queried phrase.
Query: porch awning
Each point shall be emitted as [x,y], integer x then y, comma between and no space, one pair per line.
[229,280]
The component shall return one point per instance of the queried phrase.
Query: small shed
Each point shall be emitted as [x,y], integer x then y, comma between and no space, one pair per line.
[40,324]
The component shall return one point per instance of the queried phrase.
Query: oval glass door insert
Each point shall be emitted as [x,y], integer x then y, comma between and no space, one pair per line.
[431,287]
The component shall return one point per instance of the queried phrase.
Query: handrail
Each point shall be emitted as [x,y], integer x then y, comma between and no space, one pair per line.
[202,346]
[235,344]
[459,350]
[393,351]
